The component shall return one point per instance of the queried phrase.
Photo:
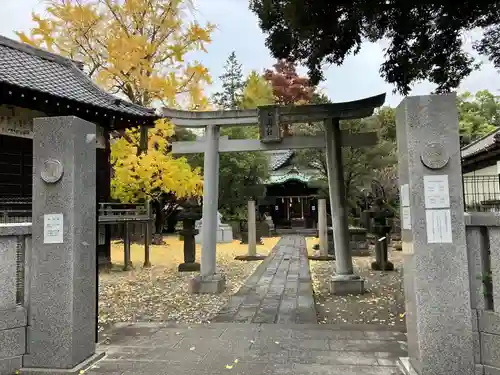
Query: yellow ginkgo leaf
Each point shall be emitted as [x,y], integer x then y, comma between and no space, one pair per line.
[229,367]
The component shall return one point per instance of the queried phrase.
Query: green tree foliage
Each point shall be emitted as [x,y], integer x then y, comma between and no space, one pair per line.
[479,114]
[425,38]
[361,164]
[232,85]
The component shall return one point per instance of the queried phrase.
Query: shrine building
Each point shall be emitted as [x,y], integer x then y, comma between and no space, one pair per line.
[291,191]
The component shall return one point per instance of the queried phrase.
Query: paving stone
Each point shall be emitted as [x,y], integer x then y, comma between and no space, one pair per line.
[274,344]
[385,335]
[328,334]
[316,369]
[332,357]
[367,346]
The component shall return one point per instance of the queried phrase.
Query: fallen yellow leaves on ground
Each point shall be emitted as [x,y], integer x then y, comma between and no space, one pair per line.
[383,302]
[172,253]
[161,293]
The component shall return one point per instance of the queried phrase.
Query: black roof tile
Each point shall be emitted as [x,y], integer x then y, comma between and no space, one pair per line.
[31,68]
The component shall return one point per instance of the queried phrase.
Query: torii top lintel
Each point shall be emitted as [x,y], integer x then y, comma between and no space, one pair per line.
[287,114]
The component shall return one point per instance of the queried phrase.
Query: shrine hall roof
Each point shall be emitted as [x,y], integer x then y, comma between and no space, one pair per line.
[279,158]
[37,79]
[482,144]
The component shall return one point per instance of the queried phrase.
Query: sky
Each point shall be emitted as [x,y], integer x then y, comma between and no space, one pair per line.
[238,30]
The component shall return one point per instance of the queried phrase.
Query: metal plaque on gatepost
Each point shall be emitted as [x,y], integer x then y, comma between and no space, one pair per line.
[269,126]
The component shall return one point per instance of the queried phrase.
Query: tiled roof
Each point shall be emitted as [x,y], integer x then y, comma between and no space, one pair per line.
[480,145]
[26,67]
[279,179]
[278,158]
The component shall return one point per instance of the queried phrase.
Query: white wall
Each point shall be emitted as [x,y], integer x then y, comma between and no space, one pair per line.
[488,171]
[18,122]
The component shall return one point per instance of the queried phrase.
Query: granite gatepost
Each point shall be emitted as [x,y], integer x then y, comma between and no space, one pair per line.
[62,303]
[436,274]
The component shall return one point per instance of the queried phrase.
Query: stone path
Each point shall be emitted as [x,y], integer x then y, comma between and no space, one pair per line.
[250,349]
[279,291]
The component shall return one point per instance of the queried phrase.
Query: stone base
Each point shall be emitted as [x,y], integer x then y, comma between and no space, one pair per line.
[341,285]
[207,285]
[397,245]
[406,367]
[157,239]
[251,257]
[128,267]
[189,267]
[388,266]
[78,369]
[224,234]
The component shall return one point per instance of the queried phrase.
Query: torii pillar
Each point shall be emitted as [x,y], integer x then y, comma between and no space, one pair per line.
[209,281]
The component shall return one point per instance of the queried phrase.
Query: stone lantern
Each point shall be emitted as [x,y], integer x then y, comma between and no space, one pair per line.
[189,215]
[377,220]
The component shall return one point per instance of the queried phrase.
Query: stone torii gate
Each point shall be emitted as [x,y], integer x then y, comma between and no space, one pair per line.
[269,119]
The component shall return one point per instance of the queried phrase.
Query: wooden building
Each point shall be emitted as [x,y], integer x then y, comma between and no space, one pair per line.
[481,173]
[291,192]
[36,83]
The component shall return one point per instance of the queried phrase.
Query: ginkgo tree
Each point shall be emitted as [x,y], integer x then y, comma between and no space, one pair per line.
[139,177]
[136,49]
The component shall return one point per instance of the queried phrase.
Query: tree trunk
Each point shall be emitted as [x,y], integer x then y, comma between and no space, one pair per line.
[157,236]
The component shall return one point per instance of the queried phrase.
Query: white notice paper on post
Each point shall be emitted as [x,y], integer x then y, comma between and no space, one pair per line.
[436,191]
[53,225]
[438,226]
[405,195]
[406,218]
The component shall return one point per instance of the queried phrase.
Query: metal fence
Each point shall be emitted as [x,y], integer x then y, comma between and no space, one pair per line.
[482,193]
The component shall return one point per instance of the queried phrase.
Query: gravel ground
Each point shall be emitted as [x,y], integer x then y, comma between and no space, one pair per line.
[383,302]
[161,293]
